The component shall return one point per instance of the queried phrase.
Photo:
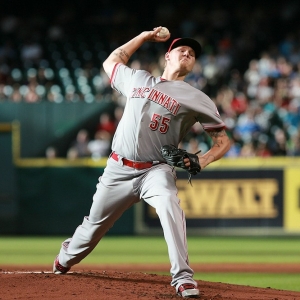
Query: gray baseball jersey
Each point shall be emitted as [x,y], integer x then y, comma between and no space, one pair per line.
[157,113]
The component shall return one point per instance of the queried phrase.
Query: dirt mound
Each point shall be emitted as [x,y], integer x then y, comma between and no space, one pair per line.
[109,284]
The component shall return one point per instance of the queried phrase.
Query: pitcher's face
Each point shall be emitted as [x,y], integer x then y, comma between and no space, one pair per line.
[181,59]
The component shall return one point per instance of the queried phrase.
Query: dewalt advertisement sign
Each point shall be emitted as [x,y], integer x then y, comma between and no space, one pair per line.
[245,198]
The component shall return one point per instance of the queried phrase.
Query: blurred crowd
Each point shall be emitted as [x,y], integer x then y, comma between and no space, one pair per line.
[250,66]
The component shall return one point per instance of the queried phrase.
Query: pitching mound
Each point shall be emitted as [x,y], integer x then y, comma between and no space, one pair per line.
[110,284]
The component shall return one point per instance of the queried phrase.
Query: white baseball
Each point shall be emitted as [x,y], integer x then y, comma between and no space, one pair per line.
[163,32]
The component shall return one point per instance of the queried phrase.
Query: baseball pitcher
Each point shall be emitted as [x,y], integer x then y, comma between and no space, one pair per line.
[159,112]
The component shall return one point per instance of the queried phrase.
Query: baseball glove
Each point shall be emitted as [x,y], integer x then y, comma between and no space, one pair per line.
[175,157]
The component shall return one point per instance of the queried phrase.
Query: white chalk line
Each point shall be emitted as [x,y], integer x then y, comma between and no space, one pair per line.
[29,272]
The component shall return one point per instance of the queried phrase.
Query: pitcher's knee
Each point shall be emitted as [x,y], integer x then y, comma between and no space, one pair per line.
[167,204]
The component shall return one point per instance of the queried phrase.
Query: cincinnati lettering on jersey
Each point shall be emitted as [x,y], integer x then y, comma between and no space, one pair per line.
[139,92]
[158,97]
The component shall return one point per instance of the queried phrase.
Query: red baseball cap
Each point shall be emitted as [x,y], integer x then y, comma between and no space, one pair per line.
[186,42]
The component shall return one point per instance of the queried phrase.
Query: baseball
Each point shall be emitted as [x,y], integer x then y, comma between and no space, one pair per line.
[163,32]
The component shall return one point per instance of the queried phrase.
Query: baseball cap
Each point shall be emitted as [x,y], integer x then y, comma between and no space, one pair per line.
[186,42]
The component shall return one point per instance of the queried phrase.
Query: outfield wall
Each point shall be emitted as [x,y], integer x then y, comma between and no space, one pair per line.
[52,198]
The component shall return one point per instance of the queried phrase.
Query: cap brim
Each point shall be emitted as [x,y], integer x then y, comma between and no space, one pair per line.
[187,42]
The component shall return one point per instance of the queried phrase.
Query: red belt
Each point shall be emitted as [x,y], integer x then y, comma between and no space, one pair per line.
[133,164]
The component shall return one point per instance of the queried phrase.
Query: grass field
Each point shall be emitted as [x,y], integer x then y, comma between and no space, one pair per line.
[120,249]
